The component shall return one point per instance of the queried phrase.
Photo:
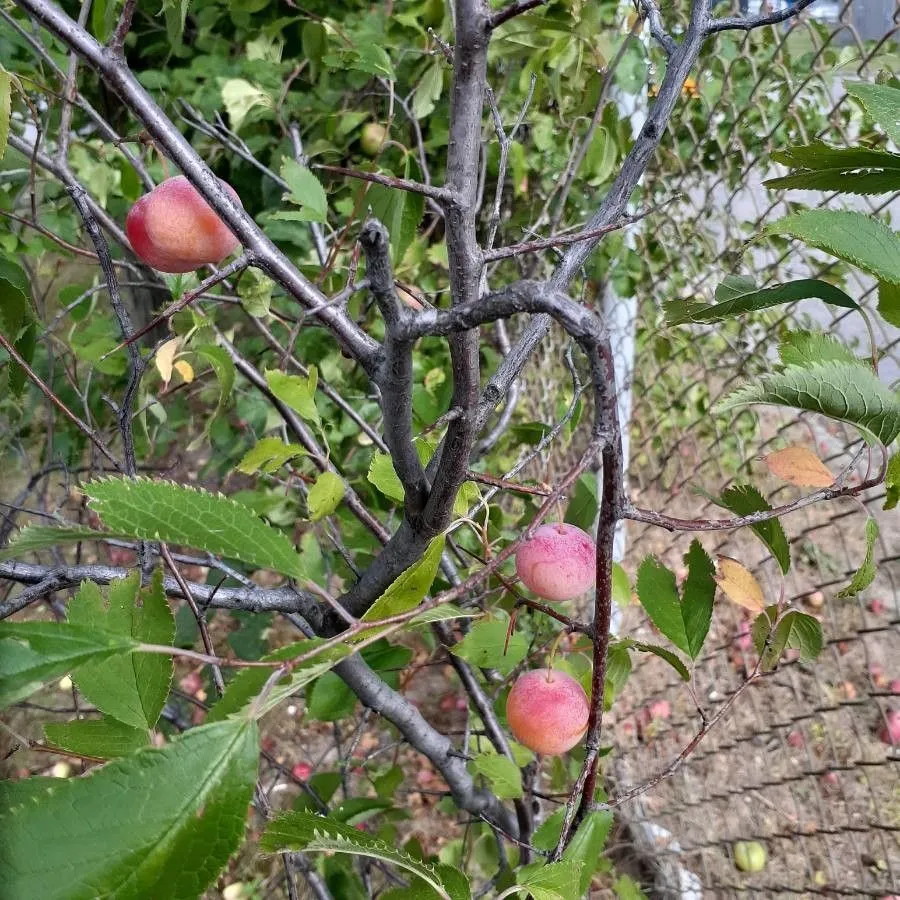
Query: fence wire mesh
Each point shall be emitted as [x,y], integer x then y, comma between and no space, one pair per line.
[798,764]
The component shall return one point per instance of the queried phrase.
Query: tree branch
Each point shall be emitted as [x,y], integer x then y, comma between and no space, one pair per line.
[47,579]
[650,10]
[743,23]
[439,195]
[395,375]
[513,10]
[671,523]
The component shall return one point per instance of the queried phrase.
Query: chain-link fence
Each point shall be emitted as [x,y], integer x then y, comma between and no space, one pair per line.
[798,764]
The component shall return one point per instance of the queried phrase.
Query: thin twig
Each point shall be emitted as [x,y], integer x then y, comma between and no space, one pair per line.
[438,194]
[45,389]
[198,614]
[513,10]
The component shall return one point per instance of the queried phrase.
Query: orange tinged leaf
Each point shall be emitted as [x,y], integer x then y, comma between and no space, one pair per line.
[799,466]
[739,585]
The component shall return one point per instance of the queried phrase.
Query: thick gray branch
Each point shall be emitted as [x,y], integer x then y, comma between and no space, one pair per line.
[57,578]
[395,374]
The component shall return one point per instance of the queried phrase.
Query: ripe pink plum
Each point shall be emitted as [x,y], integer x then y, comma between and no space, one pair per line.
[889,733]
[558,563]
[175,230]
[547,711]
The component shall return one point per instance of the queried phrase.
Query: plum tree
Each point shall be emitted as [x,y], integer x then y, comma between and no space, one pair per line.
[558,563]
[547,711]
[175,230]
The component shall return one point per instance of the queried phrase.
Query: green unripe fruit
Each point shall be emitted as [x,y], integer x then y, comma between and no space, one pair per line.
[433,13]
[749,856]
[373,136]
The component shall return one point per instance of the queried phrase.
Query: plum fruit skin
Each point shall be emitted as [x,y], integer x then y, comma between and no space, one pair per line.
[547,711]
[558,562]
[174,230]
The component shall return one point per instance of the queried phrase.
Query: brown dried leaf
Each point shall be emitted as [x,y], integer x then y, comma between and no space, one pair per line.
[739,585]
[799,466]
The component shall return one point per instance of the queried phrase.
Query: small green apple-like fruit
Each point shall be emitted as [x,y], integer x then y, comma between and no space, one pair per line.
[373,136]
[749,856]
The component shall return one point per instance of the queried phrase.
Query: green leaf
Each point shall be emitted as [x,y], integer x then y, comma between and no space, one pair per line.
[312,833]
[553,881]
[583,505]
[105,738]
[399,211]
[866,573]
[298,393]
[268,455]
[239,96]
[5,108]
[626,888]
[223,366]
[861,240]
[384,477]
[33,653]
[657,591]
[255,290]
[428,90]
[849,170]
[808,348]
[679,312]
[177,514]
[372,58]
[359,809]
[134,688]
[248,683]
[103,18]
[330,699]
[410,587]
[892,482]
[847,392]
[586,847]
[160,824]
[666,655]
[795,630]
[743,499]
[483,645]
[697,596]
[889,303]
[621,586]
[882,103]
[176,16]
[325,495]
[444,613]
[38,537]
[305,190]
[618,669]
[503,775]
[601,155]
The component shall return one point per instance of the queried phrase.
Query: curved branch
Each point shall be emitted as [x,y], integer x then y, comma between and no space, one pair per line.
[743,23]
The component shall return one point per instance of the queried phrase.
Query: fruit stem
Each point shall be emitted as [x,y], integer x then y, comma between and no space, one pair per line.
[553,648]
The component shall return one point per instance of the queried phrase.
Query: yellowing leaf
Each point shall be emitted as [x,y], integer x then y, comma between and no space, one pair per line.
[185,370]
[799,466]
[165,359]
[739,585]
